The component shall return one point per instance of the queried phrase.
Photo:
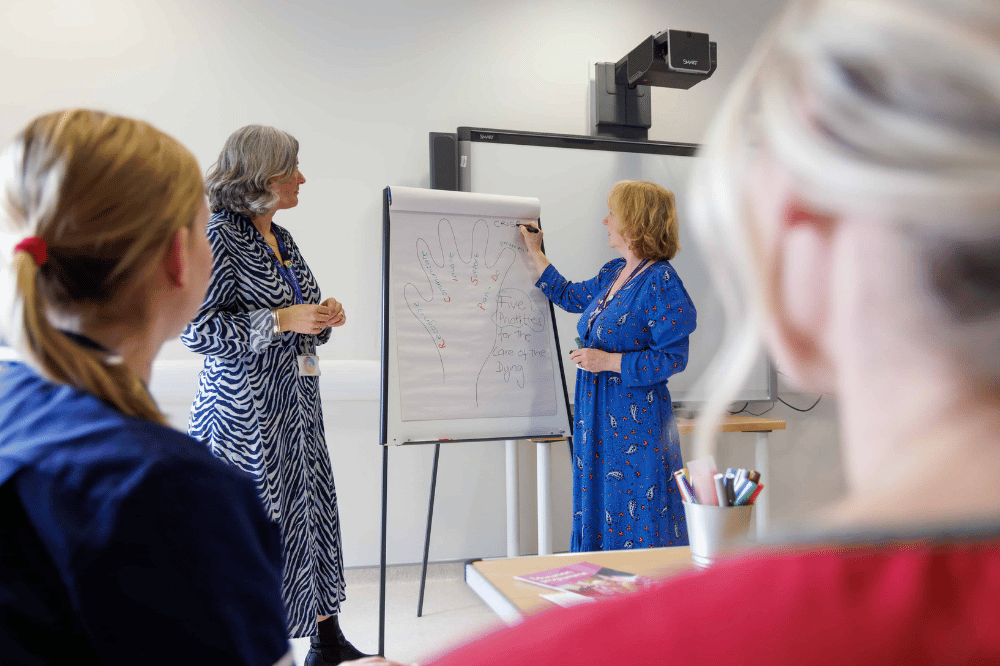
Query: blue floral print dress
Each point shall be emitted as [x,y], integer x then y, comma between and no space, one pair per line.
[625,441]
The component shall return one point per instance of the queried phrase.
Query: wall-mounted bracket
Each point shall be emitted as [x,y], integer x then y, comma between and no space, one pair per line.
[622,112]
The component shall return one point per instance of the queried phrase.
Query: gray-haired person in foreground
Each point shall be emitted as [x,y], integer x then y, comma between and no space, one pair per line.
[849,195]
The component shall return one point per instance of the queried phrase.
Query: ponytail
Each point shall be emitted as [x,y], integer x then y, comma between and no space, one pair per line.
[66,361]
[101,196]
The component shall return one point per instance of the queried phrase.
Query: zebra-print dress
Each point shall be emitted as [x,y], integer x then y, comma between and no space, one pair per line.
[256,413]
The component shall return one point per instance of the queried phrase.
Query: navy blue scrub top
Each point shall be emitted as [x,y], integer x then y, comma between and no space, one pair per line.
[126,542]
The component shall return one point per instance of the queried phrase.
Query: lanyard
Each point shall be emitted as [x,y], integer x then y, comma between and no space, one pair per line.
[287,272]
[603,303]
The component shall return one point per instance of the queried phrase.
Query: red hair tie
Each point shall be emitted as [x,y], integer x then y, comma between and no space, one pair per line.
[34,246]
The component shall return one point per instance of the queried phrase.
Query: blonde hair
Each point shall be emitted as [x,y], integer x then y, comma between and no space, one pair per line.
[647,217]
[252,156]
[885,109]
[106,194]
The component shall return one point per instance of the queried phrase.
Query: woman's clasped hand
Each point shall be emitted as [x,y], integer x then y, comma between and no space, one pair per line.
[306,318]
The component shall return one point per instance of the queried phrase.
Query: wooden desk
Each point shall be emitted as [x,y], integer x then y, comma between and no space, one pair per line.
[493,580]
[736,423]
[543,447]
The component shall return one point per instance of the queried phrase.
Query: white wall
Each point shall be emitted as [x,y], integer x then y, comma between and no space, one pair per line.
[360,87]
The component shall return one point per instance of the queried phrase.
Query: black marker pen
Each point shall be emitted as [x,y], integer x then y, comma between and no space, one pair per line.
[530,228]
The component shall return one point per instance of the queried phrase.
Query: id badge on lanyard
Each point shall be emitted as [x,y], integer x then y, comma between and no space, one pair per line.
[309,365]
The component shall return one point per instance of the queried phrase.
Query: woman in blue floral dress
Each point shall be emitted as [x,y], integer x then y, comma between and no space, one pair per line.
[634,328]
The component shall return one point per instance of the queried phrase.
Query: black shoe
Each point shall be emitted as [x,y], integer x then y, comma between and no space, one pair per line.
[331,646]
[348,652]
[318,653]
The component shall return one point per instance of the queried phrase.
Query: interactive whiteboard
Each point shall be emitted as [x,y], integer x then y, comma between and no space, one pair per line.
[470,350]
[571,177]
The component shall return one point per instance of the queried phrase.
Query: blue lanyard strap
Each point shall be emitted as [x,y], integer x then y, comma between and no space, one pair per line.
[286,271]
[603,303]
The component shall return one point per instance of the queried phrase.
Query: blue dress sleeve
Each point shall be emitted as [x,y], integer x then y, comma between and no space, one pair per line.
[575,296]
[674,320]
[183,568]
[221,328]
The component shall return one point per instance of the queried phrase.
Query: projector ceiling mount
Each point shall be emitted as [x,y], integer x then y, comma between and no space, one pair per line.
[670,59]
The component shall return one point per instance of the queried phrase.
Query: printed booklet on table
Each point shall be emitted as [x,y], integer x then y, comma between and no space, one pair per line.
[585,582]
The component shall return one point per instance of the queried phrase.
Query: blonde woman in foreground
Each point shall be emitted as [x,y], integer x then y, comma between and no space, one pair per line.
[852,184]
[123,541]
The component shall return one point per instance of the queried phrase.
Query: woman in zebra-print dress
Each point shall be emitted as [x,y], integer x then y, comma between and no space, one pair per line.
[258,404]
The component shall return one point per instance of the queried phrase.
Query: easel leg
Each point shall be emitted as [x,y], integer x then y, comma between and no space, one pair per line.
[427,536]
[385,515]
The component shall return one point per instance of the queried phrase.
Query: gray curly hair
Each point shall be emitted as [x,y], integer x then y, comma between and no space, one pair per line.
[251,157]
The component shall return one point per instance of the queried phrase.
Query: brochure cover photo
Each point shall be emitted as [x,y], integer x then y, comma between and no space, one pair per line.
[582,582]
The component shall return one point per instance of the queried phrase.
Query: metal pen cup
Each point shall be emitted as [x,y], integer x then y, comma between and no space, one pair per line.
[715,530]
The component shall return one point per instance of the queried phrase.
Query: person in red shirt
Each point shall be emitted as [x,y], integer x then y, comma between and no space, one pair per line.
[850,192]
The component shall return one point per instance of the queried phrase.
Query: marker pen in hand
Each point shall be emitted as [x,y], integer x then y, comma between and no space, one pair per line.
[579,345]
[530,228]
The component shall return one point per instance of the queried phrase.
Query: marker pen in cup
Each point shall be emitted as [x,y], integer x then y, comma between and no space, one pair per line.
[740,475]
[682,485]
[745,492]
[720,489]
[730,485]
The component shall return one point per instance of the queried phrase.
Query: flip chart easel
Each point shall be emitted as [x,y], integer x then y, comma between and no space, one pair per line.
[469,347]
